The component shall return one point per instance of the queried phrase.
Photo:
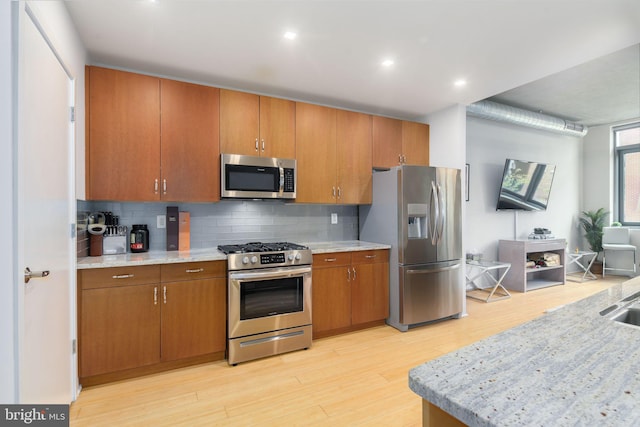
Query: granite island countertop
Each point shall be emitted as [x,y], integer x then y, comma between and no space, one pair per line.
[209,254]
[569,367]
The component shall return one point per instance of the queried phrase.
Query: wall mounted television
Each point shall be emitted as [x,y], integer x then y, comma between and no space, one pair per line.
[525,185]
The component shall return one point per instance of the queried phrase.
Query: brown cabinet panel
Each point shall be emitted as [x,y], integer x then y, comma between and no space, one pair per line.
[331,299]
[118,276]
[387,142]
[277,128]
[332,259]
[370,292]
[193,318]
[415,143]
[192,270]
[119,329]
[123,143]
[353,152]
[190,142]
[239,122]
[315,153]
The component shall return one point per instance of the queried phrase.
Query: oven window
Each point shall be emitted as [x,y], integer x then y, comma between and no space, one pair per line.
[271,297]
[251,178]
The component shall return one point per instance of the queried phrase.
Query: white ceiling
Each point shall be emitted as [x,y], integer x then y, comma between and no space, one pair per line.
[495,45]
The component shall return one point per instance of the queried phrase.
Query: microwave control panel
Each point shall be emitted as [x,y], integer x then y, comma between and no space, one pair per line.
[289,181]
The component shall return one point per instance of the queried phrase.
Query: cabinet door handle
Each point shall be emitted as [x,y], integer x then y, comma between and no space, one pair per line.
[339,193]
[194,270]
[263,145]
[333,192]
[164,294]
[354,273]
[330,259]
[257,144]
[155,186]
[164,186]
[348,274]
[155,295]
[400,158]
[122,276]
[370,256]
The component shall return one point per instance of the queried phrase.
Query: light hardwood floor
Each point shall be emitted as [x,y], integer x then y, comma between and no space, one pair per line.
[353,379]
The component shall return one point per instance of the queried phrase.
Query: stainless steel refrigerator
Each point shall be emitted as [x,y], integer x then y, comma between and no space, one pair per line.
[417,210]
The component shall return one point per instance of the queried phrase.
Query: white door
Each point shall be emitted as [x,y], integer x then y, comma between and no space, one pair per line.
[44,216]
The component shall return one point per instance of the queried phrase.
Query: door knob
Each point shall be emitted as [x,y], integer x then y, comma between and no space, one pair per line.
[28,274]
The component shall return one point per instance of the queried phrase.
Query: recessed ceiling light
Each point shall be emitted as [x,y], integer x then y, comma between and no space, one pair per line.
[388,62]
[460,83]
[290,35]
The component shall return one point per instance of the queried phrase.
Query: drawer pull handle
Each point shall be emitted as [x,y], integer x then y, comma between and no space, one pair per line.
[122,276]
[370,256]
[195,270]
[330,259]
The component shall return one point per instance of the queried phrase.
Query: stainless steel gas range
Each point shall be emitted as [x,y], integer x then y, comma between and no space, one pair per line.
[269,299]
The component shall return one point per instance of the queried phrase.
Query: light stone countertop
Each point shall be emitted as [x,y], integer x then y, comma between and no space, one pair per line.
[569,367]
[208,254]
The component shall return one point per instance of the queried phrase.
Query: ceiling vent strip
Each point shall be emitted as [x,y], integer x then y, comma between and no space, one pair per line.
[504,113]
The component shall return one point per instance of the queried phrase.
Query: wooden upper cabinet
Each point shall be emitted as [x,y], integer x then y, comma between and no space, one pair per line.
[277,128]
[190,155]
[256,125]
[123,135]
[387,142]
[315,153]
[415,143]
[239,123]
[353,148]
[397,142]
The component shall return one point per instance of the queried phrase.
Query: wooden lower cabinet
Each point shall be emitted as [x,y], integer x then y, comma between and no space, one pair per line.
[193,318]
[350,291]
[137,320]
[120,329]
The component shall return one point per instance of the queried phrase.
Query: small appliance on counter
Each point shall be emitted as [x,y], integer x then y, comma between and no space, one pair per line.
[541,233]
[96,229]
[139,238]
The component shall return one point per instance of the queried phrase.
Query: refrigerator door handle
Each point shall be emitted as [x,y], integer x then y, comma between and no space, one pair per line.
[434,270]
[435,207]
[443,213]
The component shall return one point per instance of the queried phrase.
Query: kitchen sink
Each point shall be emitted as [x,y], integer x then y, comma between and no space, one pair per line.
[630,316]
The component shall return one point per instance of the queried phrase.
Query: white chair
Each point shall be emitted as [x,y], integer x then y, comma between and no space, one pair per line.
[616,239]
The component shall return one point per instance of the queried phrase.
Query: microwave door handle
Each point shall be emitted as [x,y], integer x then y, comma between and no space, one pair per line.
[281,179]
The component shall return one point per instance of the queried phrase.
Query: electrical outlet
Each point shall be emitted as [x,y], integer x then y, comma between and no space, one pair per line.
[334,218]
[161,221]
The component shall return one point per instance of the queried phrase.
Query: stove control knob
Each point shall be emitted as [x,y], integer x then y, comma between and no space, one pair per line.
[298,257]
[254,259]
[290,257]
[245,260]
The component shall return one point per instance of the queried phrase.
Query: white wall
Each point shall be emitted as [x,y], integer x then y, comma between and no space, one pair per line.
[7,296]
[489,143]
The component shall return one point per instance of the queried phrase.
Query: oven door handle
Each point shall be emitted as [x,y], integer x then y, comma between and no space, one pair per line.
[272,274]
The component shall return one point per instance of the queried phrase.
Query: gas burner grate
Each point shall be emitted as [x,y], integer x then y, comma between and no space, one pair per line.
[260,247]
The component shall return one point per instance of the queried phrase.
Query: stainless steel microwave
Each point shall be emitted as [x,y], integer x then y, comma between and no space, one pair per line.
[251,177]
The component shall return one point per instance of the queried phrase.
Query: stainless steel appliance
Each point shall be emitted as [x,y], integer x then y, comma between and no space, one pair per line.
[417,210]
[251,177]
[269,299]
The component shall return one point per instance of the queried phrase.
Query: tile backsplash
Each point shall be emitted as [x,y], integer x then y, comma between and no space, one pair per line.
[239,221]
